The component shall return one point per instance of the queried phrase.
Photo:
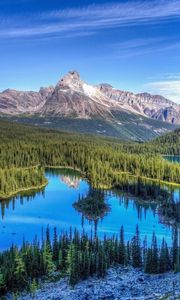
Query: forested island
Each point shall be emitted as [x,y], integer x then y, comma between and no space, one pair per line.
[138,169]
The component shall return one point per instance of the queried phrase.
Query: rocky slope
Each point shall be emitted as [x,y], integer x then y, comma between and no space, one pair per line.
[15,102]
[153,106]
[75,105]
[119,284]
[73,97]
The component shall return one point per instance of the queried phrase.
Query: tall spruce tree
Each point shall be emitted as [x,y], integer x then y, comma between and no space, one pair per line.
[73,264]
[164,260]
[176,250]
[48,263]
[136,250]
[155,255]
[19,270]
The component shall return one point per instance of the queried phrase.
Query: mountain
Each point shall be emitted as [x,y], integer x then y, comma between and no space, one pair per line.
[77,106]
[16,102]
[72,97]
[153,106]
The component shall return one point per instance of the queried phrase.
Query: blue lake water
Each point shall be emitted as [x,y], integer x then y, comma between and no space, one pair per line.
[173,158]
[27,216]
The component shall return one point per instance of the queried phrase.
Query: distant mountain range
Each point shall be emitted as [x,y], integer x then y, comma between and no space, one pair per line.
[75,105]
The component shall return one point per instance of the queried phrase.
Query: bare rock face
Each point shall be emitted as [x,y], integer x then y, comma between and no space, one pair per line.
[153,106]
[71,80]
[16,102]
[169,114]
[46,92]
[74,98]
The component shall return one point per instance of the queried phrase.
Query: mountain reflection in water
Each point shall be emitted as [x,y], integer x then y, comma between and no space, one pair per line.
[26,215]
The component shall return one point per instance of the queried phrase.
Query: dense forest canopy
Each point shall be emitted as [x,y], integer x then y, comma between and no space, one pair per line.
[106,162]
[168,143]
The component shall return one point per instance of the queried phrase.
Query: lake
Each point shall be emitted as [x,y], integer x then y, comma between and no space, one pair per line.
[173,158]
[29,215]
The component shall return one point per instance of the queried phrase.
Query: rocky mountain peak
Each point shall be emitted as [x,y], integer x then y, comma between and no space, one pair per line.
[70,80]
[74,97]
[74,74]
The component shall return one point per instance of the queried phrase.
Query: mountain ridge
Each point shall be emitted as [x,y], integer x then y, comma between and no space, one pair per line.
[73,99]
[104,97]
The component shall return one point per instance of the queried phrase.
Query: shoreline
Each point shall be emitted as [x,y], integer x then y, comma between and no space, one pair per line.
[171,155]
[105,187]
[32,188]
[152,179]
[111,187]
[63,167]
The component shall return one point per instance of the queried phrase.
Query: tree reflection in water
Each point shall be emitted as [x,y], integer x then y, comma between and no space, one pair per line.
[93,206]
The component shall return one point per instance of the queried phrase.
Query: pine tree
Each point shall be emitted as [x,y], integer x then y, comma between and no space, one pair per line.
[148,261]
[101,262]
[48,240]
[175,250]
[136,250]
[49,266]
[55,247]
[164,260]
[33,288]
[85,262]
[116,251]
[2,283]
[19,270]
[73,264]
[155,256]
[128,250]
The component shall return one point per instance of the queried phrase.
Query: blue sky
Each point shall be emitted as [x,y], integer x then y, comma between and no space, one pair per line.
[133,45]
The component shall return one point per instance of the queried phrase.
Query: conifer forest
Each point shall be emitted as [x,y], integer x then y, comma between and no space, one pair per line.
[138,169]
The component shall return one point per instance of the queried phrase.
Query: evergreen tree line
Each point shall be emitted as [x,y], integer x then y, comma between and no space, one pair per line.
[79,256]
[168,144]
[94,160]
[105,162]
[18,179]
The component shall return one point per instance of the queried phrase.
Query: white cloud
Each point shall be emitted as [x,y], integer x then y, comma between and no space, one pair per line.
[143,46]
[93,18]
[167,88]
[129,11]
